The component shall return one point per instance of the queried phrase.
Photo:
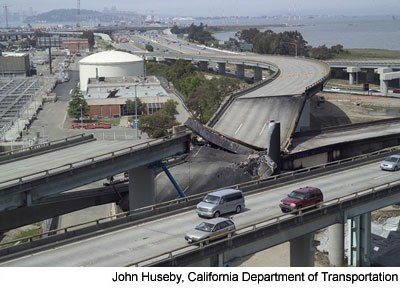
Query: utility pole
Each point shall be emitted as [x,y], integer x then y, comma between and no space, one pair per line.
[78,13]
[6,13]
[136,123]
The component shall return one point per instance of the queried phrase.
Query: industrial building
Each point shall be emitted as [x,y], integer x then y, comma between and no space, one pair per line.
[109,64]
[75,45]
[107,96]
[14,64]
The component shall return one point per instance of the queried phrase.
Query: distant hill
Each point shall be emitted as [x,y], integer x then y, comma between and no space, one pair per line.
[63,15]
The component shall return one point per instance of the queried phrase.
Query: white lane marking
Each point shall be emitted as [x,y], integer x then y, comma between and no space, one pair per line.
[237,130]
[386,175]
[263,128]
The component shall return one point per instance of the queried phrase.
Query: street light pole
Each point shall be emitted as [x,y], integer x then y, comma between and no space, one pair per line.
[81,117]
[136,118]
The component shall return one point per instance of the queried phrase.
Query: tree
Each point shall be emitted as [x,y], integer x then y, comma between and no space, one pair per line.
[89,35]
[74,106]
[131,107]
[158,124]
[149,48]
[170,107]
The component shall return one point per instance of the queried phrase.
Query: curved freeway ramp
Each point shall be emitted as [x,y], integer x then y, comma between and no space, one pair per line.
[247,117]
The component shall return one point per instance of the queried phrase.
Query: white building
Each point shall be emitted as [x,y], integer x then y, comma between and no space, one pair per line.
[109,64]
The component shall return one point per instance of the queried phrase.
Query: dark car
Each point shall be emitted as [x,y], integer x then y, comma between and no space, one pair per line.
[300,198]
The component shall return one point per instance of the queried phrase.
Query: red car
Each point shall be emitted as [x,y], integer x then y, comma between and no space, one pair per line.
[300,198]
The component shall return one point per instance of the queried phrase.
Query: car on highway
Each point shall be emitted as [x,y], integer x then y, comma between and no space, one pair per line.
[210,228]
[301,198]
[221,202]
[391,163]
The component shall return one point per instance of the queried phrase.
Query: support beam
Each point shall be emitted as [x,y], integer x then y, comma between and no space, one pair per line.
[141,187]
[240,71]
[336,244]
[359,240]
[302,251]
[221,68]
[257,74]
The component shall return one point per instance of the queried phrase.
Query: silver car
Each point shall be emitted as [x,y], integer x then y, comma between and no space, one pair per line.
[391,163]
[221,202]
[209,228]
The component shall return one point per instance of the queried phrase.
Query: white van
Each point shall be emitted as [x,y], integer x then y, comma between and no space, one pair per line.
[221,202]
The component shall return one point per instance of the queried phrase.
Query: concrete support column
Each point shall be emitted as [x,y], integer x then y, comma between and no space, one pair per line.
[384,87]
[302,251]
[240,71]
[336,244]
[353,74]
[351,78]
[257,74]
[304,121]
[203,65]
[274,148]
[221,68]
[141,187]
[359,240]
[370,75]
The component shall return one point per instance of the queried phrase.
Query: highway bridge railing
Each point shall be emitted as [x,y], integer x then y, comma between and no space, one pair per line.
[6,157]
[103,225]
[88,160]
[346,127]
[290,226]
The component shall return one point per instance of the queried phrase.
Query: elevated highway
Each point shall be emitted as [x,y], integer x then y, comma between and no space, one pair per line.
[132,244]
[246,115]
[37,179]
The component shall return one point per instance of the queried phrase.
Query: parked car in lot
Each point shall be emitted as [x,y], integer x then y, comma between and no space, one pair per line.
[210,228]
[335,89]
[301,198]
[391,163]
[396,91]
[221,202]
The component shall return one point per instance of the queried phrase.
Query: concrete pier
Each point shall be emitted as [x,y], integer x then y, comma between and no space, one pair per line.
[141,187]
[336,244]
[221,68]
[359,240]
[302,251]
[257,74]
[353,74]
[203,65]
[240,71]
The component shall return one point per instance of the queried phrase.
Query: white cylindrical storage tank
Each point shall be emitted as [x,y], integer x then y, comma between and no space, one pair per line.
[109,64]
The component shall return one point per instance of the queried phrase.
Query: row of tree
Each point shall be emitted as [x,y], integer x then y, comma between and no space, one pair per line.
[284,43]
[196,33]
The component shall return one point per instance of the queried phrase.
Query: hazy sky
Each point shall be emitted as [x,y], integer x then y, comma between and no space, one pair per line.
[220,7]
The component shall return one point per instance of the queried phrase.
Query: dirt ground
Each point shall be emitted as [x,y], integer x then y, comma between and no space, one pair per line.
[340,109]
